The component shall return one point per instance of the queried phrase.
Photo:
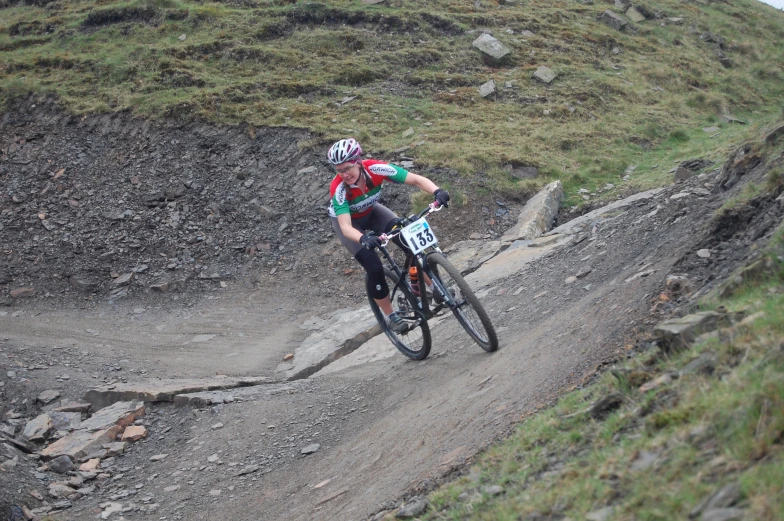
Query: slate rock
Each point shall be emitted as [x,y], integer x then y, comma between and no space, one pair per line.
[120,413]
[60,490]
[80,443]
[613,20]
[725,497]
[310,449]
[61,464]
[134,433]
[681,174]
[678,333]
[724,514]
[494,490]
[412,509]
[488,89]
[545,74]
[48,396]
[25,292]
[493,51]
[65,421]
[635,15]
[603,514]
[774,135]
[38,429]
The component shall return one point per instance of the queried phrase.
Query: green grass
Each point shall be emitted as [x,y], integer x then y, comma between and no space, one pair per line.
[742,412]
[707,430]
[409,63]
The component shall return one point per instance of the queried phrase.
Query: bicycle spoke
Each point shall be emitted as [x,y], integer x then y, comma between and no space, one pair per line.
[415,341]
[467,308]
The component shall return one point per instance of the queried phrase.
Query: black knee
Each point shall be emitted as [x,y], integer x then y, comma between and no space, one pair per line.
[376,282]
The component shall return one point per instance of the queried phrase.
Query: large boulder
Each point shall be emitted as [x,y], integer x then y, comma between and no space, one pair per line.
[538,214]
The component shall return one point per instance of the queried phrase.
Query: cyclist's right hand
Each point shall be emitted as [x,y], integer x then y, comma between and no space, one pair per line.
[370,242]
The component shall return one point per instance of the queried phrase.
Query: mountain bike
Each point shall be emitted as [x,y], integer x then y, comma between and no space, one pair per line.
[410,299]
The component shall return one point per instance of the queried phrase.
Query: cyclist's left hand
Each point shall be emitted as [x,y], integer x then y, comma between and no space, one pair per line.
[442,197]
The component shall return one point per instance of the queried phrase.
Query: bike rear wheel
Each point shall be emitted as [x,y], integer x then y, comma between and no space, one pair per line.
[415,343]
[466,307]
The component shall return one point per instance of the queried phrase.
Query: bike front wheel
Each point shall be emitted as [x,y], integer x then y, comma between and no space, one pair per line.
[415,342]
[464,304]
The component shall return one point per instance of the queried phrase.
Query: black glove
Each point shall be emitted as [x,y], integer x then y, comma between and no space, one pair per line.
[442,197]
[370,242]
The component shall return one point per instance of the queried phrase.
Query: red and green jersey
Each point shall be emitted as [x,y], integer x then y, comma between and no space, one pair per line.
[350,199]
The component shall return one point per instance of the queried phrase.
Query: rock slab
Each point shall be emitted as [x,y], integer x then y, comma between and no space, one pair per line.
[635,15]
[39,428]
[166,390]
[545,74]
[487,89]
[538,214]
[679,333]
[120,413]
[80,443]
[469,255]
[343,333]
[492,49]
[613,20]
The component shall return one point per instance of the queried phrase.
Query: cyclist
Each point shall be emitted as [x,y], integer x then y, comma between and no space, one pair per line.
[354,208]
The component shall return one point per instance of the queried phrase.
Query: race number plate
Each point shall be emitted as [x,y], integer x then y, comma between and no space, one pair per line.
[419,235]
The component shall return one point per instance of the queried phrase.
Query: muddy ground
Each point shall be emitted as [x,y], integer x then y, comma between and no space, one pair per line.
[386,430]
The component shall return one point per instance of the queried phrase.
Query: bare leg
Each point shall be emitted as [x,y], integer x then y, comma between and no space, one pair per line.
[385,304]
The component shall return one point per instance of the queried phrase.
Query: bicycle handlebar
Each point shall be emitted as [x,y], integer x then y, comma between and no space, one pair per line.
[432,207]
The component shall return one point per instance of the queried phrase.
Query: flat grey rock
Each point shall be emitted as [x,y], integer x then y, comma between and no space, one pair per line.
[412,509]
[120,413]
[491,48]
[538,214]
[614,20]
[635,15]
[310,449]
[468,255]
[166,390]
[39,428]
[679,333]
[603,514]
[545,74]
[580,223]
[343,333]
[487,89]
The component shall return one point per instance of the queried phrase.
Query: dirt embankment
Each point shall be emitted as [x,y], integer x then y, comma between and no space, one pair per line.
[110,206]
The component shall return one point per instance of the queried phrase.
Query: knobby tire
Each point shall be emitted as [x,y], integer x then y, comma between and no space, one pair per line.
[404,302]
[487,338]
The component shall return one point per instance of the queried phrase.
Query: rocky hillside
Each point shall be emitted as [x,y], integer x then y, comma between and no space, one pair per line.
[107,205]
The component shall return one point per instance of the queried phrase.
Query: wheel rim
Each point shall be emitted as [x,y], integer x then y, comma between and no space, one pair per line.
[463,309]
[415,343]
[412,340]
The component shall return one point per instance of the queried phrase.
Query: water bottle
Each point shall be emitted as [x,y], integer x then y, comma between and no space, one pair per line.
[413,274]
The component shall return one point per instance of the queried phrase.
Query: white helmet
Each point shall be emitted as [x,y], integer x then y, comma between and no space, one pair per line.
[344,151]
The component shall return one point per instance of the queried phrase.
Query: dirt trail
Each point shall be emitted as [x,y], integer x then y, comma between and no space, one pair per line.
[240,334]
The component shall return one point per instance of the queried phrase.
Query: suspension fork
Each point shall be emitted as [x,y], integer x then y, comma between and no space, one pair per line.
[449,300]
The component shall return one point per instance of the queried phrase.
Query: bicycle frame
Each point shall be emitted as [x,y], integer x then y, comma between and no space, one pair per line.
[420,259]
